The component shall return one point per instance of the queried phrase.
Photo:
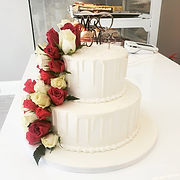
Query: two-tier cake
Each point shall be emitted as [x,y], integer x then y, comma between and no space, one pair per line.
[107,114]
[104,128]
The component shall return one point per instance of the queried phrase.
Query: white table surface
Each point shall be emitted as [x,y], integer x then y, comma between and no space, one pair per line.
[159,81]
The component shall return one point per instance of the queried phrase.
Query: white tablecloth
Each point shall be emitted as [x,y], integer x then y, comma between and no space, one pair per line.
[159,81]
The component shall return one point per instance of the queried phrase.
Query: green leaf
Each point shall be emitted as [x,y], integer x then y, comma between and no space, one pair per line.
[40,48]
[57,45]
[79,47]
[70,52]
[70,98]
[54,73]
[60,50]
[29,124]
[59,140]
[67,72]
[52,149]
[39,152]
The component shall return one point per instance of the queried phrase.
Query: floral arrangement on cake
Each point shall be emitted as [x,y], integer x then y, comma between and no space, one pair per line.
[50,88]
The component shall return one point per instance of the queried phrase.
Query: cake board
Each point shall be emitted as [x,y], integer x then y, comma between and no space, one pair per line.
[99,162]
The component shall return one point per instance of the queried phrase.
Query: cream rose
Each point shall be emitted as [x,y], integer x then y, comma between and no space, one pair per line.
[50,140]
[67,41]
[28,118]
[42,61]
[59,82]
[41,87]
[40,99]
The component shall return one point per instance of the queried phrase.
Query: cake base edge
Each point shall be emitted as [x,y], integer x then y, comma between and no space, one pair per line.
[99,162]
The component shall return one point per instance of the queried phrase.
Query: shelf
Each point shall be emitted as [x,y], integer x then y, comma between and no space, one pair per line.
[128,23]
[150,22]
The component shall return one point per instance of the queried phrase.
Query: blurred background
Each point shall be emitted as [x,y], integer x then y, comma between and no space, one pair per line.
[25,23]
[47,14]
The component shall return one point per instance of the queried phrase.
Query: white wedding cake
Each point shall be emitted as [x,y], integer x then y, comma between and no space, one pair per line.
[106,116]
[82,107]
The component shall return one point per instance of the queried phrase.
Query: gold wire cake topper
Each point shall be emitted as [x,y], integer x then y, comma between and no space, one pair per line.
[92,25]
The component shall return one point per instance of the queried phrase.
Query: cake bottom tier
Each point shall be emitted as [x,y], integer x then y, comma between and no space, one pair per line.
[98,127]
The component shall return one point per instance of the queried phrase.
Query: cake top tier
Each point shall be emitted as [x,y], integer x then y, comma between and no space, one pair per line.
[97,72]
[99,52]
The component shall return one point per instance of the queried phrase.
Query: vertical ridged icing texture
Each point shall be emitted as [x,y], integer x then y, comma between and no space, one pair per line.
[107,115]
[97,72]
[88,127]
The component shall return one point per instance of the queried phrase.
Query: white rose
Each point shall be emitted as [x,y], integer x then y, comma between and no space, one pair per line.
[50,140]
[29,117]
[59,82]
[67,41]
[40,99]
[41,87]
[42,61]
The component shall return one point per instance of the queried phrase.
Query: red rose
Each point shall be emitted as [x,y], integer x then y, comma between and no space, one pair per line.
[56,66]
[52,37]
[32,139]
[29,86]
[52,51]
[75,29]
[37,129]
[68,26]
[77,33]
[57,95]
[46,76]
[42,113]
[30,105]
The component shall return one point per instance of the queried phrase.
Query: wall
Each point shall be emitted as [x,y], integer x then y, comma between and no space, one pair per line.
[16,39]
[169,28]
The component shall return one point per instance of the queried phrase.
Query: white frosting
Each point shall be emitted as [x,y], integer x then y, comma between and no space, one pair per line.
[97,72]
[106,99]
[107,114]
[98,127]
[101,149]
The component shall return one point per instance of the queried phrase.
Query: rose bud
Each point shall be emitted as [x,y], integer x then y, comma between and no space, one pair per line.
[29,86]
[46,76]
[29,104]
[52,37]
[42,113]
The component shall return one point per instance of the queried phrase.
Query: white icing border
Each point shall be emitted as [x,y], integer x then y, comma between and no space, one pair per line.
[105,99]
[102,149]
